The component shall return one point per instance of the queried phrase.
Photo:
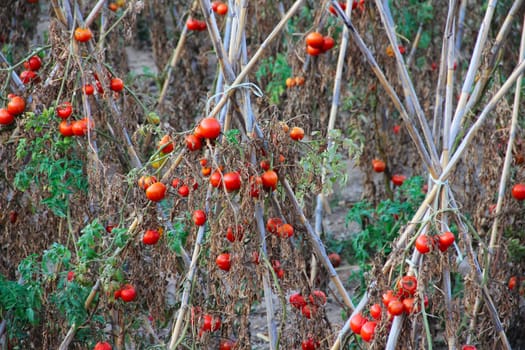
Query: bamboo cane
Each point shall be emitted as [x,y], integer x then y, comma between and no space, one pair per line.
[94,12]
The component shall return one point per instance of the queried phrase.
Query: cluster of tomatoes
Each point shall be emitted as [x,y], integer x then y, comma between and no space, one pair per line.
[32,65]
[114,6]
[294,81]
[194,24]
[390,50]
[75,128]
[357,4]
[127,293]
[317,44]
[15,106]
[219,8]
[425,243]
[309,306]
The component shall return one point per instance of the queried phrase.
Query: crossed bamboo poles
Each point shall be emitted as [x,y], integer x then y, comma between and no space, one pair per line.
[439,168]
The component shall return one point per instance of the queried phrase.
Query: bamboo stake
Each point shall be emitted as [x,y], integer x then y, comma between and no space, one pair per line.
[415,44]
[461,24]
[96,9]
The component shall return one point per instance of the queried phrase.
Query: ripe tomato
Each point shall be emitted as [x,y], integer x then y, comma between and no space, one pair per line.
[357,322]
[184,191]
[315,40]
[64,110]
[273,224]
[199,217]
[82,34]
[146,181]
[88,89]
[232,181]
[223,261]
[209,128]
[402,49]
[226,344]
[335,259]
[16,105]
[375,311]
[269,179]
[388,297]
[255,182]
[513,281]
[80,127]
[265,165]
[151,237]
[332,9]
[445,240]
[285,231]
[206,171]
[395,307]
[309,344]
[378,165]
[33,64]
[193,24]
[166,144]
[156,192]
[518,192]
[328,43]
[318,297]
[70,276]
[193,143]
[408,305]
[407,286]
[396,129]
[468,347]
[297,133]
[309,311]
[102,346]
[116,84]
[234,236]
[290,82]
[65,128]
[113,7]
[423,244]
[128,293]
[398,180]
[313,51]
[6,118]
[216,179]
[28,76]
[299,81]
[368,330]
[297,300]
[222,9]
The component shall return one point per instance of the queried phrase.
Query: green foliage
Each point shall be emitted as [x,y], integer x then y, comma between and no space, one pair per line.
[274,72]
[87,242]
[176,238]
[408,18]
[52,167]
[69,299]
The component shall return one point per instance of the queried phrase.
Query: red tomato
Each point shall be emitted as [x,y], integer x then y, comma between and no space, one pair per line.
[297,300]
[216,179]
[318,297]
[151,237]
[335,259]
[16,105]
[398,180]
[116,84]
[6,118]
[193,143]
[269,179]
[423,244]
[376,311]
[206,323]
[265,165]
[232,181]
[226,344]
[518,192]
[209,128]
[88,89]
[255,182]
[297,133]
[70,276]
[222,9]
[388,297]
[273,224]
[156,192]
[315,40]
[408,305]
[193,24]
[356,323]
[468,347]
[396,129]
[223,261]
[313,51]
[83,34]
[64,110]
[184,191]
[407,286]
[33,64]
[28,76]
[378,165]
[102,346]
[368,330]
[285,231]
[445,240]
[512,282]
[328,43]
[309,344]
[235,236]
[395,308]
[128,293]
[80,127]
[166,144]
[202,25]
[309,311]
[146,181]
[332,9]
[65,128]
[199,217]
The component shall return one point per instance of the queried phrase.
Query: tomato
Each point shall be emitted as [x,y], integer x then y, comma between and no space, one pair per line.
[328,43]
[333,11]
[378,165]
[407,286]
[396,129]
[102,346]
[199,217]
[206,171]
[318,297]
[16,105]
[80,127]
[88,89]
[376,311]
[335,259]
[64,110]
[445,240]
[222,9]
[116,84]
[315,40]
[279,273]
[255,182]
[13,215]
[65,128]
[6,118]
[299,81]
[151,237]
[226,344]
[214,5]
[297,300]
[209,128]
[117,294]
[356,323]
[297,133]
[395,308]
[423,244]
[146,181]
[512,282]
[468,347]
[234,236]
[269,179]
[156,192]
[402,49]
[368,330]
[216,179]
[166,144]
[232,181]
[109,228]
[206,323]
[273,224]
[265,165]
[33,64]
[184,191]
[309,344]
[113,7]
[223,261]
[408,305]
[193,24]
[398,180]
[83,34]
[309,311]
[128,293]
[202,25]
[193,143]
[388,297]
[255,258]
[518,192]
[290,82]
[70,276]
[285,231]
[313,51]
[28,76]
